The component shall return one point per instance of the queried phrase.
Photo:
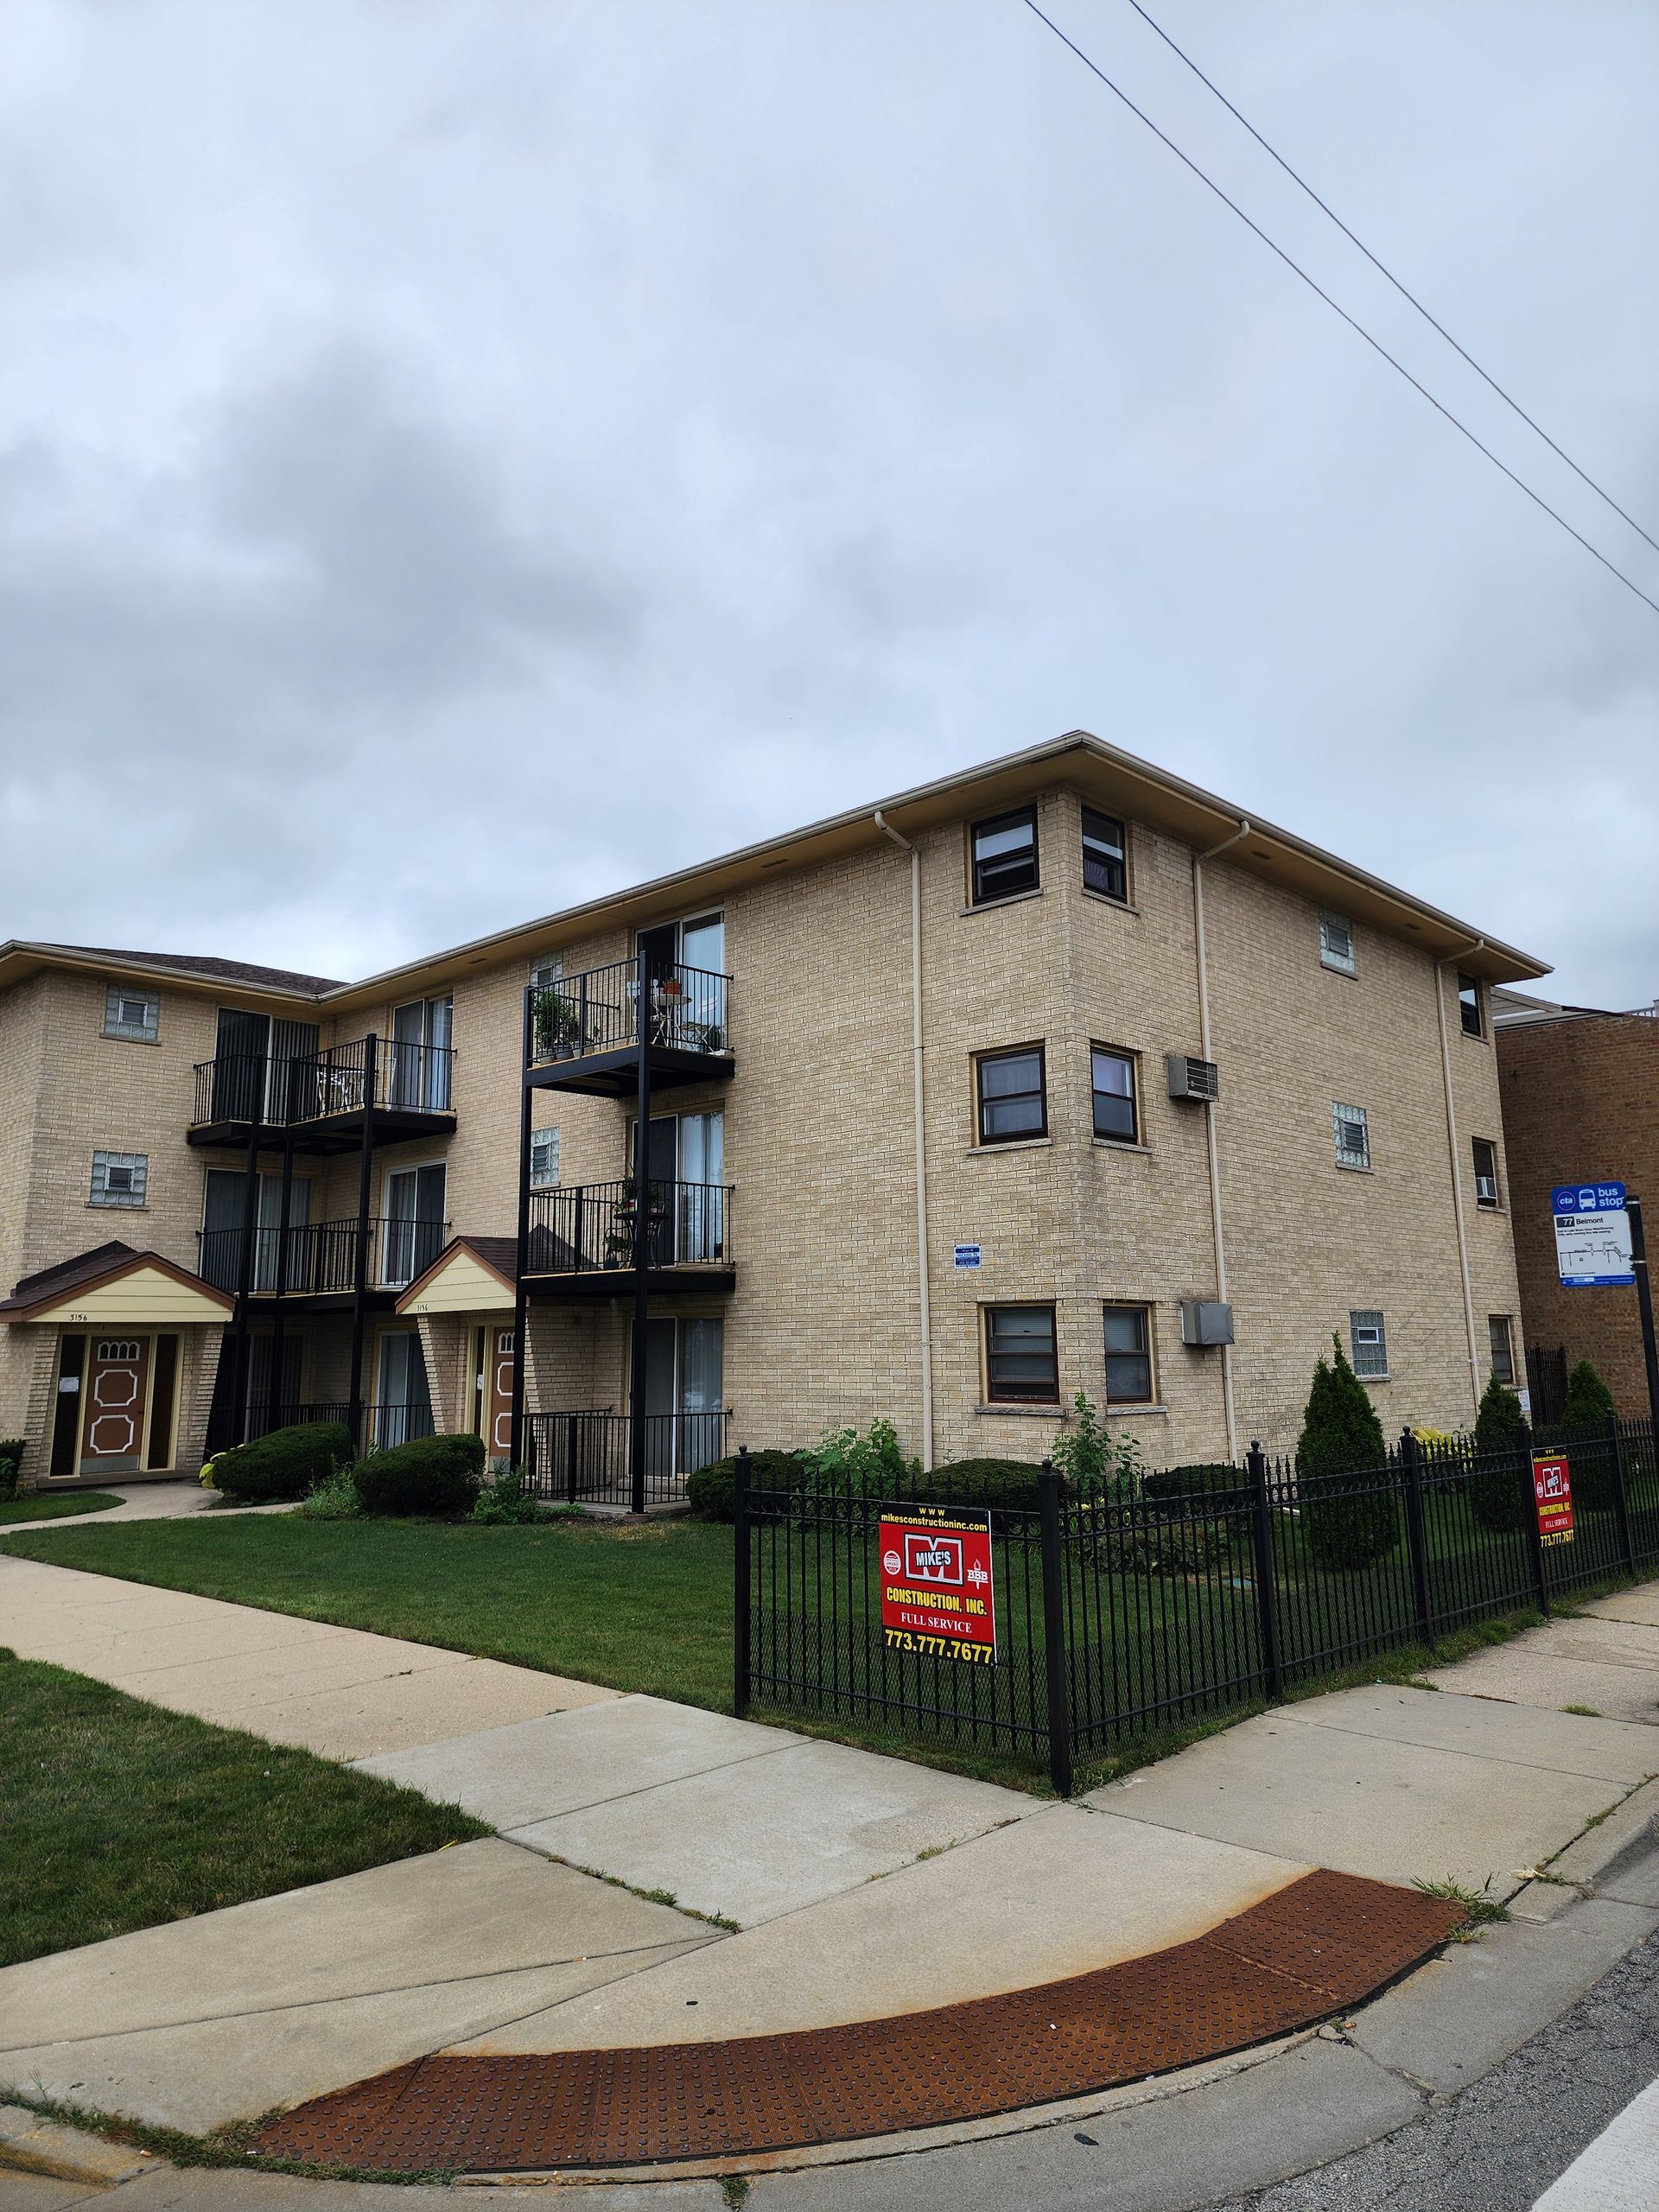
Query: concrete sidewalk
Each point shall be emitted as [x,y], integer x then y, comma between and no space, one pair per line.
[863,1885]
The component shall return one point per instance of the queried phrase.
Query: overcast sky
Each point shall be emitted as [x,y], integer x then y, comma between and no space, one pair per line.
[457,459]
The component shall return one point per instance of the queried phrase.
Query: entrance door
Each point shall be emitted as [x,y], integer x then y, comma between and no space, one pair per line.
[498,1391]
[684,1393]
[112,1440]
[221,1239]
[419,1076]
[240,1055]
[402,1407]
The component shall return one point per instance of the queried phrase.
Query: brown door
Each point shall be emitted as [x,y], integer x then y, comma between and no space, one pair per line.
[112,1437]
[498,1391]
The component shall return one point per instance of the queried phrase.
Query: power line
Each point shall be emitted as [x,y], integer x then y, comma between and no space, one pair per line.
[1508,400]
[1376,345]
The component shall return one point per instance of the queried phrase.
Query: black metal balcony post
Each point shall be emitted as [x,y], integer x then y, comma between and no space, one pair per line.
[239,1357]
[520,1302]
[641,1235]
[273,1396]
[360,1268]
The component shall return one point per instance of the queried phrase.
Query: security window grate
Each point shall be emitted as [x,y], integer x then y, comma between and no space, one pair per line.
[1369,1337]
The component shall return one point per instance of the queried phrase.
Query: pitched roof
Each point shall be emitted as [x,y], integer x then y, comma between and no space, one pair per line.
[208,964]
[105,1262]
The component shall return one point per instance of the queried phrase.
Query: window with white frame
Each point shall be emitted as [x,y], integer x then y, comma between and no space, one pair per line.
[120,1177]
[543,1158]
[134,1014]
[1369,1340]
[1353,1136]
[1336,942]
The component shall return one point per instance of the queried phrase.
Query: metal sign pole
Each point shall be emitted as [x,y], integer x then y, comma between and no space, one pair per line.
[1645,1303]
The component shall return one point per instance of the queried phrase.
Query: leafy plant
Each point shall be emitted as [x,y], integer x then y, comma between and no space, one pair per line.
[11,1454]
[506,1503]
[333,1497]
[875,1463]
[557,1022]
[1349,1516]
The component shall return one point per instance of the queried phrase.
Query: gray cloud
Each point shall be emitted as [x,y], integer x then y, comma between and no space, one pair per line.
[462,463]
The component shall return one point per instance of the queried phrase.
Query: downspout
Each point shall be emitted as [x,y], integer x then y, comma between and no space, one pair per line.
[1440,967]
[922,1280]
[1198,859]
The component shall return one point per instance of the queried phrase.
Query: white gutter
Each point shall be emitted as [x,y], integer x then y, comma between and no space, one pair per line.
[922,1278]
[1440,967]
[1198,859]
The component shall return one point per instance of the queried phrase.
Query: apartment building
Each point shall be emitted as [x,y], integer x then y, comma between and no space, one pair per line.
[1580,1092]
[1057,1075]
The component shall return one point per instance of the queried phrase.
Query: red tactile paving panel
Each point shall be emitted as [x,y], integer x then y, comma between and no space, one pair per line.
[1313,1947]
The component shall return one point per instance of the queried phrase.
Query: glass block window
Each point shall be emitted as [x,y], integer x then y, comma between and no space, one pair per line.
[1502,1344]
[1012,1100]
[1353,1136]
[543,1158]
[1004,856]
[1335,942]
[1021,1364]
[120,1177]
[1369,1340]
[134,1014]
[546,971]
[1128,1355]
[1113,1078]
[1105,855]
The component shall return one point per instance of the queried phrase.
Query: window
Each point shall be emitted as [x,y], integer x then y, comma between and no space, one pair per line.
[546,971]
[136,1015]
[1370,1344]
[1113,1077]
[1005,855]
[1335,942]
[1012,1103]
[543,1159]
[1353,1136]
[1019,1362]
[120,1177]
[1485,1172]
[1497,1331]
[1105,855]
[1469,1005]
[1128,1355]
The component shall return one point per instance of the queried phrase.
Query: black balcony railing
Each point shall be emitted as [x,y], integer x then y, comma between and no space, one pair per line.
[322,1257]
[289,1092]
[598,1011]
[592,1226]
[583,1457]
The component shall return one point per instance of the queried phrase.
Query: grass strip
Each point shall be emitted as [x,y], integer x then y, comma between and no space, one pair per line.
[120,1814]
[56,1504]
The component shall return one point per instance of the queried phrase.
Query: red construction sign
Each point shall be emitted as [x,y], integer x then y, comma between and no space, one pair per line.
[1552,1485]
[936,1583]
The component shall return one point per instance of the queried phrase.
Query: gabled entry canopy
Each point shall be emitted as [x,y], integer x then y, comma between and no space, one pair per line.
[114,1283]
[472,1275]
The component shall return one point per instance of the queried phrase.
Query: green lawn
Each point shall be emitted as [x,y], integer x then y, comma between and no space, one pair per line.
[637,1606]
[56,1505]
[119,1815]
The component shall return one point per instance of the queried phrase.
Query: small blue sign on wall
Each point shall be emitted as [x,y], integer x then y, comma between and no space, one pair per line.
[967,1255]
[1593,1235]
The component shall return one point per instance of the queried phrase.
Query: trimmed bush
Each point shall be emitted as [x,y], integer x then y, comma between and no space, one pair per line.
[1585,1415]
[985,1481]
[1498,1489]
[289,1463]
[1215,1480]
[435,1477]
[712,1491]
[1350,1518]
[11,1456]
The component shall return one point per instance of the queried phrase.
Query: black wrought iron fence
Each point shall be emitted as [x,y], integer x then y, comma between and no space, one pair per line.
[287,1090]
[591,1226]
[318,1259]
[585,1457]
[1131,1616]
[598,1011]
[261,1419]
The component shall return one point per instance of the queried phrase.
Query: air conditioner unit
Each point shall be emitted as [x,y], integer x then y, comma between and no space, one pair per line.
[1486,1190]
[1189,1078]
[1204,1322]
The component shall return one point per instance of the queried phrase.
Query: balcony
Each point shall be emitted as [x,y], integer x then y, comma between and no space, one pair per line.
[584,1457]
[317,1274]
[318,1100]
[584,1033]
[582,1240]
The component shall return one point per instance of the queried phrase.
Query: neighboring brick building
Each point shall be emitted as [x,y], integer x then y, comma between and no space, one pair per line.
[988,974]
[1580,1103]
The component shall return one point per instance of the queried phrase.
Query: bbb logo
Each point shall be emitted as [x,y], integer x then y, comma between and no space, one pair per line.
[932,1559]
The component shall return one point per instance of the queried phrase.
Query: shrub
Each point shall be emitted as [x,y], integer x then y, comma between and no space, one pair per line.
[1093,1461]
[1585,1415]
[712,1491]
[333,1498]
[506,1503]
[11,1456]
[1589,1401]
[438,1476]
[875,1463]
[1498,1489]
[1011,1483]
[1217,1481]
[1350,1518]
[289,1463]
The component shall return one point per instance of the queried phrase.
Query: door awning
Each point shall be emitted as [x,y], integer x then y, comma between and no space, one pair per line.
[115,1284]
[472,1275]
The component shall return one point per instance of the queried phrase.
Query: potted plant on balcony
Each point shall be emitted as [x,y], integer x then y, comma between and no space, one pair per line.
[557,1022]
[619,1237]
